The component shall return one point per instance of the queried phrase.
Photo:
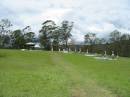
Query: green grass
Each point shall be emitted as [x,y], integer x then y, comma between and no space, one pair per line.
[47,74]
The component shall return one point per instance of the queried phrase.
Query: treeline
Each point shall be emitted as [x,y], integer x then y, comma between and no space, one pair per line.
[16,39]
[50,35]
[54,37]
[117,42]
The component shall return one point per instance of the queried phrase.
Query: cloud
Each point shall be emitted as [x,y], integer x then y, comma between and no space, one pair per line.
[98,16]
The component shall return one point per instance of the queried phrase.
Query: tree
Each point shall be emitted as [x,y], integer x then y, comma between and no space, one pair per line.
[125,37]
[46,33]
[29,37]
[90,38]
[59,34]
[66,29]
[100,40]
[5,25]
[125,45]
[28,34]
[114,39]
[26,29]
[57,37]
[115,36]
[18,40]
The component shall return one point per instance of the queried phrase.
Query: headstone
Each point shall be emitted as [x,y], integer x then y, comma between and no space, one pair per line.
[75,50]
[52,49]
[117,55]
[22,49]
[69,49]
[105,53]
[113,55]
[59,50]
[80,50]
[87,51]
[65,51]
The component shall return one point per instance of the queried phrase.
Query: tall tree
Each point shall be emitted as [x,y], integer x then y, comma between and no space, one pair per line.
[115,36]
[26,29]
[5,25]
[66,29]
[90,38]
[18,40]
[57,36]
[100,40]
[46,33]
[125,45]
[29,36]
[115,41]
[125,37]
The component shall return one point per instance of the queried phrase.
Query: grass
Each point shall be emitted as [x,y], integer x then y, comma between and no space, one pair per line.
[47,74]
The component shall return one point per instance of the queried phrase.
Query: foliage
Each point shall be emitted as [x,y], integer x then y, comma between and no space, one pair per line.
[18,40]
[29,36]
[66,29]
[5,25]
[117,42]
[48,27]
[53,36]
[50,31]
[115,36]
[90,38]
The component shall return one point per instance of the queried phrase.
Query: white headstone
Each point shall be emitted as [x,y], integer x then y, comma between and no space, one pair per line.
[117,55]
[75,50]
[80,50]
[52,49]
[87,51]
[113,54]
[69,49]
[105,53]
[59,50]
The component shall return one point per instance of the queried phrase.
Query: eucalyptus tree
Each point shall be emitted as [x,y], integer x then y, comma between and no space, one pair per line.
[115,36]
[57,37]
[18,40]
[100,40]
[66,28]
[125,45]
[46,33]
[90,38]
[28,34]
[5,25]
[26,29]
[114,39]
[90,41]
[125,37]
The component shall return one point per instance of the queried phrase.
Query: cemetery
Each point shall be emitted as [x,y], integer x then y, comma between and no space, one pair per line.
[65,48]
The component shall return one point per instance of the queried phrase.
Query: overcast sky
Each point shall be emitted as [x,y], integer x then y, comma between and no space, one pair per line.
[98,16]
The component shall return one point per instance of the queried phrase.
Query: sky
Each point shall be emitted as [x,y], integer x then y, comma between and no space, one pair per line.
[97,16]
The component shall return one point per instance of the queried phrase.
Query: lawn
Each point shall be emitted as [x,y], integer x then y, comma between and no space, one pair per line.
[47,74]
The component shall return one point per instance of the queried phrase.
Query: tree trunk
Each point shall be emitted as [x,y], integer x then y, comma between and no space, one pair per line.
[66,44]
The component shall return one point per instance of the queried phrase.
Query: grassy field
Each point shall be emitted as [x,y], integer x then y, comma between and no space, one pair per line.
[47,74]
